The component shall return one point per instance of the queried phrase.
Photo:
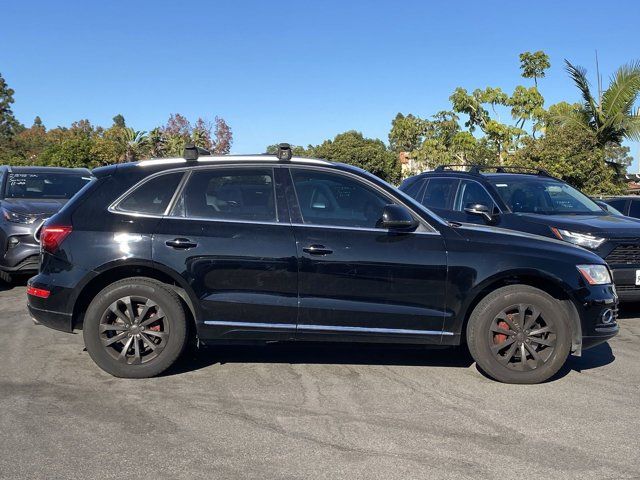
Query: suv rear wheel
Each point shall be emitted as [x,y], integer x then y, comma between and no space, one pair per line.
[135,328]
[519,334]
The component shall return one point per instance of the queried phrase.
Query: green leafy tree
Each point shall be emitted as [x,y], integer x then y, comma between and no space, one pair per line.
[9,126]
[503,137]
[572,153]
[353,148]
[612,115]
[533,65]
[407,133]
[157,147]
[296,150]
[118,121]
[136,144]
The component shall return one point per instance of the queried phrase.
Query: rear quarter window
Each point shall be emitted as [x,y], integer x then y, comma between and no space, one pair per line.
[152,197]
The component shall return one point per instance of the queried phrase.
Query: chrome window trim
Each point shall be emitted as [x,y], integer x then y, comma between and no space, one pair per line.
[333,328]
[190,168]
[363,229]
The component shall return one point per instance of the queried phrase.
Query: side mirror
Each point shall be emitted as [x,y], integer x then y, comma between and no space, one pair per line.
[479,209]
[397,217]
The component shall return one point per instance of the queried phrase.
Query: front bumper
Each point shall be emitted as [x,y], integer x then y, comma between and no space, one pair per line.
[19,247]
[599,315]
[625,281]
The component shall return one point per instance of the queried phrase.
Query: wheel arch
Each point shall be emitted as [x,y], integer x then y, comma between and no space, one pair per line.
[544,281]
[114,271]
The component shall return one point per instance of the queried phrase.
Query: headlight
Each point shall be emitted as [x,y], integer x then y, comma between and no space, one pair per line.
[595,274]
[17,217]
[582,239]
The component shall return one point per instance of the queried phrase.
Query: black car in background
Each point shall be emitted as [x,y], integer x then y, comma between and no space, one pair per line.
[28,196]
[245,249]
[628,205]
[532,201]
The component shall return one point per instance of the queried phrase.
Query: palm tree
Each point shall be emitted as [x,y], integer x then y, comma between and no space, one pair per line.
[611,116]
[136,142]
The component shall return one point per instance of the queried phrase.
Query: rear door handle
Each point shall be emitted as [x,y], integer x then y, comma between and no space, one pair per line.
[317,250]
[181,243]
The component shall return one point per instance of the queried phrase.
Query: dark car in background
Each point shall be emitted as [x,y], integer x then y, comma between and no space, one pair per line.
[245,249]
[533,201]
[28,196]
[628,205]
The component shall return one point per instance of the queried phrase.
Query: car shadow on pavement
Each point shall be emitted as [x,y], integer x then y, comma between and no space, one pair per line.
[363,354]
[324,353]
[595,357]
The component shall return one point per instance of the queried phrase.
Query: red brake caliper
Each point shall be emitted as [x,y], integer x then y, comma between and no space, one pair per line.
[499,338]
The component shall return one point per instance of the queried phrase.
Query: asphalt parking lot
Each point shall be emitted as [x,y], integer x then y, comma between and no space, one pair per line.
[288,411]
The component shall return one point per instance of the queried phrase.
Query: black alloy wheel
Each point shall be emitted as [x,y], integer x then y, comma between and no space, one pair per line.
[520,334]
[135,328]
[522,339]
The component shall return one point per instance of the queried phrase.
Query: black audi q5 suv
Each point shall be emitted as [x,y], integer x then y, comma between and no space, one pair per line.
[245,249]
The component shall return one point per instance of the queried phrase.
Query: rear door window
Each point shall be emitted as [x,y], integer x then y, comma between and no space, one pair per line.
[439,193]
[229,194]
[153,196]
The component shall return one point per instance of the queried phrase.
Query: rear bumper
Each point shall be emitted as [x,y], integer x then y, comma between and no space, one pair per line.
[56,320]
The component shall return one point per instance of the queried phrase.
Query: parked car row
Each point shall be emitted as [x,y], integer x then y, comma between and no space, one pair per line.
[152,255]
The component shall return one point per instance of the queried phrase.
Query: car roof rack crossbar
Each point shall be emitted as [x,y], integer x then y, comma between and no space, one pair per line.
[476,169]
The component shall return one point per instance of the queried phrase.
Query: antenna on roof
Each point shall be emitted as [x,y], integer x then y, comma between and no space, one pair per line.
[192,152]
[284,152]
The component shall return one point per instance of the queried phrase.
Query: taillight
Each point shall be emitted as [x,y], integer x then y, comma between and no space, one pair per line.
[38,292]
[52,236]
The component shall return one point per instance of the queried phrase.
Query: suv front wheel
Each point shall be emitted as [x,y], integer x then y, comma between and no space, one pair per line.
[135,328]
[519,334]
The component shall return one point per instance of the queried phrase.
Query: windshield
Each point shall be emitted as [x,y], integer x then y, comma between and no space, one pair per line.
[544,196]
[44,185]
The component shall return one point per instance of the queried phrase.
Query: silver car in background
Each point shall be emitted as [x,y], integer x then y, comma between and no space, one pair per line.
[28,196]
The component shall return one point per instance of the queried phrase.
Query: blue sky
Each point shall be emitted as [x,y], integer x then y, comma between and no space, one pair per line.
[294,71]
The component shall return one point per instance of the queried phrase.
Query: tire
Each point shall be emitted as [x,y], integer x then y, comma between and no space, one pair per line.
[151,343]
[516,319]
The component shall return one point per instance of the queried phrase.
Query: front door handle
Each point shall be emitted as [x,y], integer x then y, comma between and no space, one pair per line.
[317,250]
[181,243]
